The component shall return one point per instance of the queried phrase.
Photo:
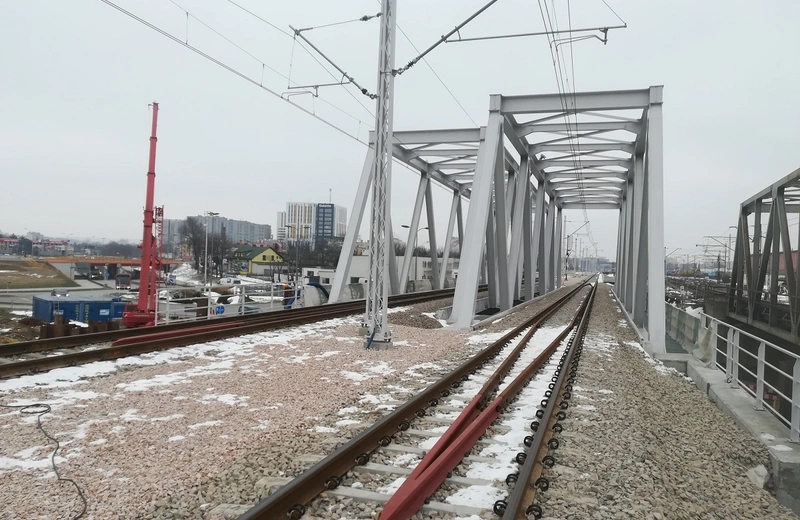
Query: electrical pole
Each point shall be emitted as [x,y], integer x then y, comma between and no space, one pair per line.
[376,317]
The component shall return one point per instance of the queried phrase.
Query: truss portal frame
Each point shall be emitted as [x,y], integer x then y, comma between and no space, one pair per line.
[537,156]
[765,279]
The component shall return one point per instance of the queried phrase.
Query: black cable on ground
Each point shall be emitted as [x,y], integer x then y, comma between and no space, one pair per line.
[40,409]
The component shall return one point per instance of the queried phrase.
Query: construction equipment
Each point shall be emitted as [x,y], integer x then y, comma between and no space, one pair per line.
[143,313]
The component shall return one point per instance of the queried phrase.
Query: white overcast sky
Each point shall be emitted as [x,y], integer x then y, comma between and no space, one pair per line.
[77,75]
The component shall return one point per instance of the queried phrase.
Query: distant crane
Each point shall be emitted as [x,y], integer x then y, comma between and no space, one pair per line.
[144,312]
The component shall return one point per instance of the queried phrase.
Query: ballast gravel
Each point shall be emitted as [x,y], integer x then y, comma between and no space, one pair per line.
[173,434]
[640,441]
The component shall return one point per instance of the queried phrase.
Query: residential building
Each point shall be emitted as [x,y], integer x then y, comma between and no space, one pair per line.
[308,221]
[257,260]
[330,222]
[38,247]
[299,221]
[236,231]
[239,231]
[280,232]
[172,236]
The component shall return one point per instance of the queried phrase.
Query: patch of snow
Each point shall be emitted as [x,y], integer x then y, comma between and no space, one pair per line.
[767,437]
[694,311]
[346,422]
[782,447]
[3,331]
[296,359]
[381,368]
[327,354]
[406,460]
[22,313]
[204,424]
[323,429]
[476,496]
[167,417]
[229,399]
[354,376]
[391,488]
[484,338]
[398,309]
[130,415]
[349,409]
[176,438]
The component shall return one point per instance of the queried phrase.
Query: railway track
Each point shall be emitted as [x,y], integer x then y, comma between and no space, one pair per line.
[35,356]
[514,380]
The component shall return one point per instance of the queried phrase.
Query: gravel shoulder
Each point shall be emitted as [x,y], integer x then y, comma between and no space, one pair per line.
[640,441]
[170,434]
[517,318]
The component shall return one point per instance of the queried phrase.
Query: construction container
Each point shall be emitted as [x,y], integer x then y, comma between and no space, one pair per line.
[77,308]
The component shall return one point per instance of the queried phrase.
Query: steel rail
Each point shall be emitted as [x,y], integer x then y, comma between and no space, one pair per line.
[290,500]
[211,332]
[471,424]
[521,503]
[481,399]
[44,345]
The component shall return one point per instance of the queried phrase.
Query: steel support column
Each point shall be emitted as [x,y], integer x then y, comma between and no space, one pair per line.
[432,237]
[411,243]
[558,249]
[448,238]
[656,313]
[641,250]
[517,225]
[539,232]
[477,219]
[528,271]
[341,277]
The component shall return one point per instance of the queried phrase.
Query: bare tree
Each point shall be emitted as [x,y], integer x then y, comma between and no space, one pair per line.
[221,248]
[194,234]
[327,252]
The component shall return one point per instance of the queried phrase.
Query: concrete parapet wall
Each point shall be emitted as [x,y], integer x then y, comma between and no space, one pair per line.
[762,425]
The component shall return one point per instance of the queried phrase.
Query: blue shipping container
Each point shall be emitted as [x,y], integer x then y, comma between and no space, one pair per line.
[77,308]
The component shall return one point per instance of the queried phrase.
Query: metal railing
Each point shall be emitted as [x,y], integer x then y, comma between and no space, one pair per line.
[768,372]
[174,312]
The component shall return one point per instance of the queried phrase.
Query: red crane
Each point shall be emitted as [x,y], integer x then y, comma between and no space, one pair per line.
[144,312]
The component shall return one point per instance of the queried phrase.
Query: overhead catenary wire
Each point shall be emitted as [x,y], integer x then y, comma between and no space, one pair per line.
[244,76]
[615,13]
[264,65]
[438,77]
[563,84]
[231,69]
[311,54]
[444,38]
[364,18]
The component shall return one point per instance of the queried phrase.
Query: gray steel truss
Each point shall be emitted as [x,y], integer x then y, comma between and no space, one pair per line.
[765,276]
[536,157]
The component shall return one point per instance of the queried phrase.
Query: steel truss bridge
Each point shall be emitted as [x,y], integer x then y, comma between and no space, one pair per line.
[765,282]
[537,156]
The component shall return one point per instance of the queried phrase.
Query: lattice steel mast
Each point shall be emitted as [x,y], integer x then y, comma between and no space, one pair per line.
[376,318]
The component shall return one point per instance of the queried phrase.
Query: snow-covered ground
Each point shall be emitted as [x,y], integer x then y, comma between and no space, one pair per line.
[134,430]
[185,274]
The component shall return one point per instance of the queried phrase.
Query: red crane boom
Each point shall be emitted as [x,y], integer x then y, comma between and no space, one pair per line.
[144,312]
